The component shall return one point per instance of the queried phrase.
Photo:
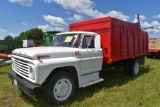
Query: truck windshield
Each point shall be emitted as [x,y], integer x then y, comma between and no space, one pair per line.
[67,40]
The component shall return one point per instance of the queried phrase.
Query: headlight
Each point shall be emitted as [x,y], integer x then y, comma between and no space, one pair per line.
[12,63]
[31,73]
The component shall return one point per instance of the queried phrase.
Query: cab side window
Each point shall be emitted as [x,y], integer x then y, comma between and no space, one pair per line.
[88,41]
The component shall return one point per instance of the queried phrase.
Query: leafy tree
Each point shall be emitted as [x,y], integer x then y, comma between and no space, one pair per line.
[17,38]
[9,37]
[23,36]
[34,34]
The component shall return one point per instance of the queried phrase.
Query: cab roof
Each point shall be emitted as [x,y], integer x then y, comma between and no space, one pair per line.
[82,32]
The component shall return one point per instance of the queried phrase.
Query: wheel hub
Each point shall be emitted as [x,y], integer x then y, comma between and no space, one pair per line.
[136,68]
[62,89]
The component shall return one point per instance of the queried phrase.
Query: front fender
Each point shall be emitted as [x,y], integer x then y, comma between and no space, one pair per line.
[48,65]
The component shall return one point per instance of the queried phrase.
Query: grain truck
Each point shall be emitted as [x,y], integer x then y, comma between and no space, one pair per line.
[154,47]
[75,58]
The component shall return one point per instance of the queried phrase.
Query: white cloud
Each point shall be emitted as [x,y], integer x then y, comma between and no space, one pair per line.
[48,1]
[156,24]
[156,17]
[76,17]
[141,17]
[117,14]
[86,7]
[54,20]
[13,34]
[45,27]
[153,23]
[49,28]
[24,24]
[3,30]
[59,29]
[22,2]
[79,6]
[145,24]
[153,31]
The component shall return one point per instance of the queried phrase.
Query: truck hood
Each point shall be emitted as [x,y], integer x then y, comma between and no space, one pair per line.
[45,52]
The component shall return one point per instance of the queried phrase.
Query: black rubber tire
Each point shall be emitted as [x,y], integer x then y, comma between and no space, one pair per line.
[134,67]
[149,56]
[126,67]
[61,75]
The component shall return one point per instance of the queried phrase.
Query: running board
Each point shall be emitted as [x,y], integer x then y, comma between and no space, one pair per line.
[90,79]
[93,82]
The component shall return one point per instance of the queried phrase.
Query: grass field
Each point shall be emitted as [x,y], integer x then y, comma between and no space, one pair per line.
[117,90]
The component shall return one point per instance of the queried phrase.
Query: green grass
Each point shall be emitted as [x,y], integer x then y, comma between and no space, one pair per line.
[117,90]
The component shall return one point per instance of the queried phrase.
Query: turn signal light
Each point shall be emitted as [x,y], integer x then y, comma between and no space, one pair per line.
[38,57]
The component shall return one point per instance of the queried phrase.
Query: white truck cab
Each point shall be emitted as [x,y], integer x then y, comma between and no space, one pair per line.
[73,59]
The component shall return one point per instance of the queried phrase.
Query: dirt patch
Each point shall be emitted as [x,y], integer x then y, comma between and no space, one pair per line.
[5,103]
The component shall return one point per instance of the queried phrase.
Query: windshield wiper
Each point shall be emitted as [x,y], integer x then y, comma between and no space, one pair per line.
[59,44]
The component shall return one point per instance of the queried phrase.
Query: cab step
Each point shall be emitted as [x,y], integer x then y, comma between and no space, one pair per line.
[90,79]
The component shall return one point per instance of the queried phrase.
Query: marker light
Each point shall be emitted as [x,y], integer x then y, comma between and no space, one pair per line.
[38,57]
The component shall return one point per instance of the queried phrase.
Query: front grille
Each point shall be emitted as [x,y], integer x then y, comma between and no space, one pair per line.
[21,67]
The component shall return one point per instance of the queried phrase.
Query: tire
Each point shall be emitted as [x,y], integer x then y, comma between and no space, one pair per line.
[134,67]
[60,88]
[149,56]
[126,67]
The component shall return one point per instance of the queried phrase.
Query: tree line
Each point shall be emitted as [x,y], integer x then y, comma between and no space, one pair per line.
[35,34]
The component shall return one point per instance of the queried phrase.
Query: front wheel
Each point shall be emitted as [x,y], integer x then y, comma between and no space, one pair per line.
[60,88]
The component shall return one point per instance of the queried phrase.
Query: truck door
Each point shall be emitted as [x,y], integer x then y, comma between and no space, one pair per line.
[91,58]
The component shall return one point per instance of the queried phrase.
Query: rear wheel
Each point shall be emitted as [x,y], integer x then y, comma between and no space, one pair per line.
[131,67]
[126,67]
[149,56]
[134,67]
[60,88]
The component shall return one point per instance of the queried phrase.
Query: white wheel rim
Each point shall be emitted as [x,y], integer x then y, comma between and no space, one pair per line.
[62,89]
[136,68]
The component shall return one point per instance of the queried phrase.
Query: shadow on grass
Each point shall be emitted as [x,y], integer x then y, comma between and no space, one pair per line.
[3,73]
[154,57]
[113,77]
[38,101]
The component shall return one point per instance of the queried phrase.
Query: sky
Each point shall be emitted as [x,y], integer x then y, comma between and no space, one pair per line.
[17,16]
